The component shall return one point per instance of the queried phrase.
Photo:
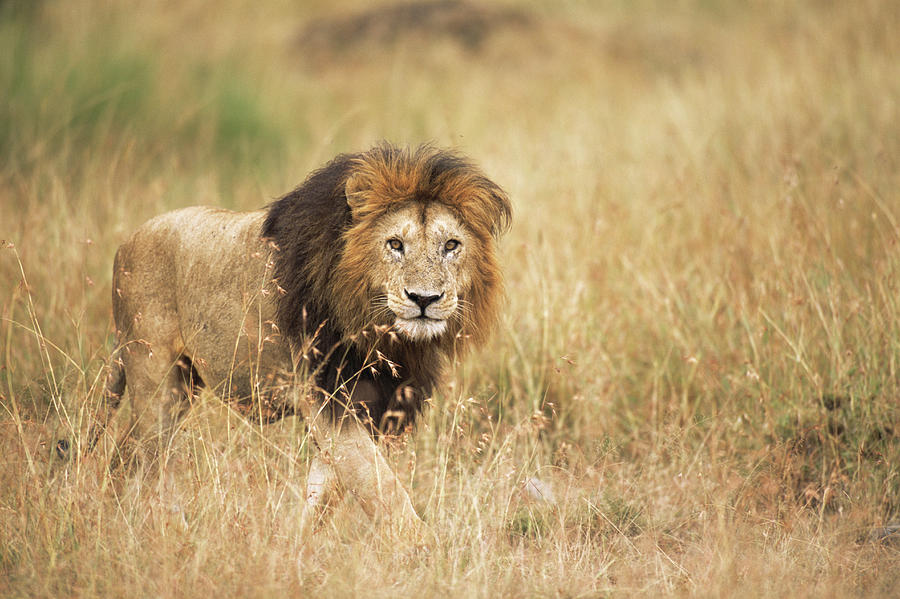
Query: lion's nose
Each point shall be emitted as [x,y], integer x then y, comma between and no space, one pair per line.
[423,301]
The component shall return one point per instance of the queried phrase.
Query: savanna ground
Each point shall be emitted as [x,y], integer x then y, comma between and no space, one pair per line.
[700,353]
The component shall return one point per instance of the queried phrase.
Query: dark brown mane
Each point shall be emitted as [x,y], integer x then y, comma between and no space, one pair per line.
[322,265]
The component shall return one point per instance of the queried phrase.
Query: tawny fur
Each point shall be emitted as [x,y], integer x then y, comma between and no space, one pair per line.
[244,302]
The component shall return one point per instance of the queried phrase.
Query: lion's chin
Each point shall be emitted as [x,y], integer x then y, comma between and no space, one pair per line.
[420,329]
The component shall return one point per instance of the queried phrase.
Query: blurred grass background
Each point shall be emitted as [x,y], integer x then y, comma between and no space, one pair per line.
[701,345]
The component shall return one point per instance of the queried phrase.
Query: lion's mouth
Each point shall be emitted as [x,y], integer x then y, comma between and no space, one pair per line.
[420,328]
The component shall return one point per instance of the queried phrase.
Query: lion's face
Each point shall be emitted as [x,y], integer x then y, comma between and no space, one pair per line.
[418,251]
[421,269]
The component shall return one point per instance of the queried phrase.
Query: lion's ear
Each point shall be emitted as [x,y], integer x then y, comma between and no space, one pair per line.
[501,210]
[354,188]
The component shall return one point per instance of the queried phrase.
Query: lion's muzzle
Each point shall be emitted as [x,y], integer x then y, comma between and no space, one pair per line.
[423,300]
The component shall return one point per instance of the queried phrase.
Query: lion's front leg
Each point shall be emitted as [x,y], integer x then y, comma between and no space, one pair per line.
[349,460]
[363,471]
[321,490]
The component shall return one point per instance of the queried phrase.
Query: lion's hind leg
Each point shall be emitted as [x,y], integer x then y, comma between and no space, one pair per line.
[111,398]
[161,386]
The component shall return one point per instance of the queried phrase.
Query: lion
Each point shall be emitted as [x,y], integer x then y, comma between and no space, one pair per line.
[344,301]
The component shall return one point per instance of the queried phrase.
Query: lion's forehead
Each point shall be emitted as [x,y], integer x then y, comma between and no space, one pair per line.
[444,225]
[415,224]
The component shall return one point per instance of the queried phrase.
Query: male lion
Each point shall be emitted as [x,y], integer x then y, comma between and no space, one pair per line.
[371,275]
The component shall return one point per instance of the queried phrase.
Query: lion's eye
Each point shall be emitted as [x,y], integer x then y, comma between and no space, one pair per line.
[395,244]
[451,245]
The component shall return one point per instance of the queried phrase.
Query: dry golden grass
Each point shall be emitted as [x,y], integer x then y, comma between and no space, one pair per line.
[700,354]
